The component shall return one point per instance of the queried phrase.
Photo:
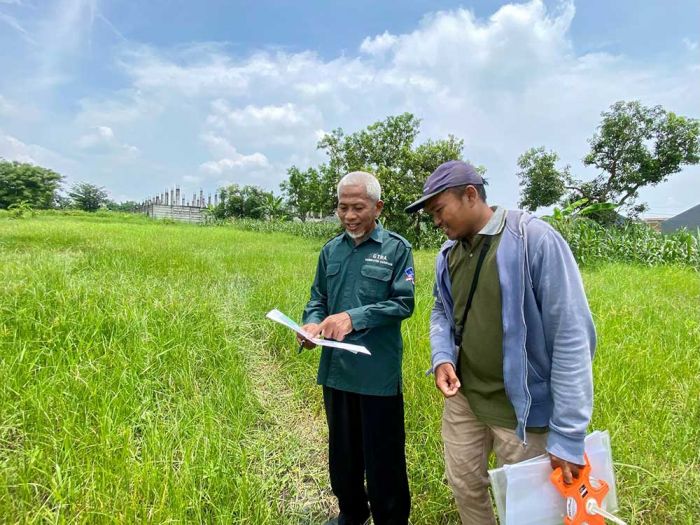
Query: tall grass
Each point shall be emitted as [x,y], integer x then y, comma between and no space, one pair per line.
[629,243]
[590,242]
[123,396]
[139,380]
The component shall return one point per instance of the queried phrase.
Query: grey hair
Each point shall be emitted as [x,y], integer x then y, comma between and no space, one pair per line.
[369,181]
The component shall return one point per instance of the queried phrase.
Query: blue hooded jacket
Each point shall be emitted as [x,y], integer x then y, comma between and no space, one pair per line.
[548,333]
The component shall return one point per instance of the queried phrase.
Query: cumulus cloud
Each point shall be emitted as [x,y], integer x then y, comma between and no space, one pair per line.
[102,139]
[13,149]
[502,83]
[231,160]
[378,44]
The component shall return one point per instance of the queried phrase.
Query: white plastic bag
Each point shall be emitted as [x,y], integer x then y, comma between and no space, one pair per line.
[525,496]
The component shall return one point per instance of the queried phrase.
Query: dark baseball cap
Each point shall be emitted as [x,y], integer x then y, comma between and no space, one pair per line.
[447,175]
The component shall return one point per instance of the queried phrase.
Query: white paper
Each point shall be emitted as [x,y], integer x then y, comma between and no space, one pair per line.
[279,317]
[525,496]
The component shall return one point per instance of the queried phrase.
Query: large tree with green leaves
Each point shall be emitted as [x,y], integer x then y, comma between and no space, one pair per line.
[32,184]
[249,202]
[541,183]
[634,146]
[388,149]
[309,192]
[88,197]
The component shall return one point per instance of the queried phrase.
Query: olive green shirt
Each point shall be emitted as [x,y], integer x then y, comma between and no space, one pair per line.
[373,283]
[481,353]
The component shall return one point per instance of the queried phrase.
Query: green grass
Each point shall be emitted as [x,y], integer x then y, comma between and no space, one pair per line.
[140,382]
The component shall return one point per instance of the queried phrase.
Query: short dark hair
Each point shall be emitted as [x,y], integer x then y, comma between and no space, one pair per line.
[459,190]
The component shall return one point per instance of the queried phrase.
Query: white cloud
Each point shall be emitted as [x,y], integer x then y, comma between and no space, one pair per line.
[691,45]
[102,140]
[379,44]
[13,149]
[284,115]
[123,107]
[503,83]
[231,160]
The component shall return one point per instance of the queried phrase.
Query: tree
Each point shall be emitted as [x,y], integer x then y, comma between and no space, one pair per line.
[88,197]
[243,202]
[387,149]
[273,208]
[637,146]
[633,147]
[542,184]
[301,190]
[22,182]
[254,199]
[126,206]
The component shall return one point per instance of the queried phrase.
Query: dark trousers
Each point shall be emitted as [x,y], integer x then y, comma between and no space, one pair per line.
[366,436]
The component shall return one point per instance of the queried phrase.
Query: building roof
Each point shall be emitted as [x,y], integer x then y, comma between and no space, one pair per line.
[689,219]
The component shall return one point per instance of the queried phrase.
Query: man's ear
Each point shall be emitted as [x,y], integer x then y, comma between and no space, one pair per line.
[379,207]
[471,193]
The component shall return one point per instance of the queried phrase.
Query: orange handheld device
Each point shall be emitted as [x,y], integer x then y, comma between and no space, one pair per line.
[584,498]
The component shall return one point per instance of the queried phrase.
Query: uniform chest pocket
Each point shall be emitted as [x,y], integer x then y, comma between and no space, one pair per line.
[375,282]
[332,277]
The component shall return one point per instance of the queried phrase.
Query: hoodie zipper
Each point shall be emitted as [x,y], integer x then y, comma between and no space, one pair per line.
[528,397]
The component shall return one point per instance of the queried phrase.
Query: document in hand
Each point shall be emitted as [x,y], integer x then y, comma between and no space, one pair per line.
[279,317]
[525,496]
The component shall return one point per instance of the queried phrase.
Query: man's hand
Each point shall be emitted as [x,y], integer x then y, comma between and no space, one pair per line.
[569,470]
[313,330]
[446,380]
[336,326]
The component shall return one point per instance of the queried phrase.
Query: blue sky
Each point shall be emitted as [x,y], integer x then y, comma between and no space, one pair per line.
[140,96]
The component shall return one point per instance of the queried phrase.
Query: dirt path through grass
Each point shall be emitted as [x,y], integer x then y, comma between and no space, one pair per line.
[289,443]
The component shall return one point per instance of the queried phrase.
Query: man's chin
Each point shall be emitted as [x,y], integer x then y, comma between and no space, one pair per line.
[357,234]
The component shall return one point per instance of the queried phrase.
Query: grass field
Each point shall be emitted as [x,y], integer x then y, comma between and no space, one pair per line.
[139,381]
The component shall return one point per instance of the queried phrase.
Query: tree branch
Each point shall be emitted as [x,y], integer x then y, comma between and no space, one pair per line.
[629,193]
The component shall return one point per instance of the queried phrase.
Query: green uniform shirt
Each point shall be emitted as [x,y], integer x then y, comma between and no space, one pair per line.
[481,353]
[373,282]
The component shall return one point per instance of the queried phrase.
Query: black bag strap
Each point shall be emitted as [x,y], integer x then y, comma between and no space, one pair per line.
[482,255]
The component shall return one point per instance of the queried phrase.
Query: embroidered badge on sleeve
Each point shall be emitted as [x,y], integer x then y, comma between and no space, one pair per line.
[410,276]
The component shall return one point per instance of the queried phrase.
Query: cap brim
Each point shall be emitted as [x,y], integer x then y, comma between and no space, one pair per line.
[420,203]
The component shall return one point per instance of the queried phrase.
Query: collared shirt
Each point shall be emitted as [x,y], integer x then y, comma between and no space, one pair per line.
[373,283]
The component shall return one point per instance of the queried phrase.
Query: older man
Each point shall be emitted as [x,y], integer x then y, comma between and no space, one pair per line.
[512,338]
[362,291]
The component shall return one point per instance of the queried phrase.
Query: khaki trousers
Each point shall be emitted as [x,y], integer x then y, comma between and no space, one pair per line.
[468,444]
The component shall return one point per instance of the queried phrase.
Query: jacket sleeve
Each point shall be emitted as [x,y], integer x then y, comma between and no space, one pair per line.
[399,304]
[570,338]
[317,308]
[442,345]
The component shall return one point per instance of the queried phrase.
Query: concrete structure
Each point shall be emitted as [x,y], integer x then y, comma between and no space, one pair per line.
[177,213]
[170,205]
[654,222]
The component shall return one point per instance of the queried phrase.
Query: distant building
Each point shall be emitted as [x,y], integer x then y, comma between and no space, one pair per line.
[654,222]
[172,205]
[689,219]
